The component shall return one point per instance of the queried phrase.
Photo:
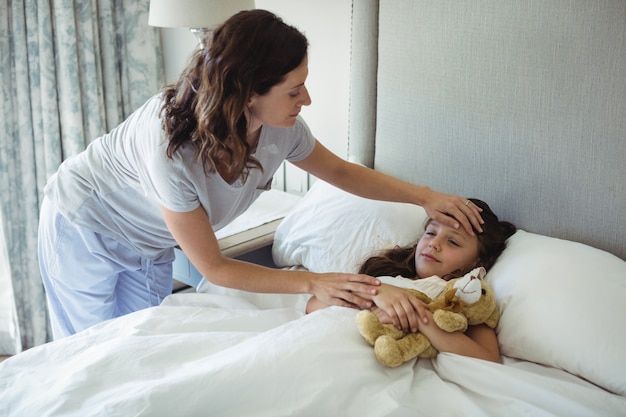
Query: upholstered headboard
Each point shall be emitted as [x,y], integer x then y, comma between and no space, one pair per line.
[519,103]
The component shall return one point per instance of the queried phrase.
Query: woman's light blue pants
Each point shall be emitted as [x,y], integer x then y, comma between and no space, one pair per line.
[90,278]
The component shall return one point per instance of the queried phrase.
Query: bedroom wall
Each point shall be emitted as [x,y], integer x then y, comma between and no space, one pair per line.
[326,23]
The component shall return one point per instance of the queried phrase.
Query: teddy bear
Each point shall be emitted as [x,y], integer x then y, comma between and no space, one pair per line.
[464,301]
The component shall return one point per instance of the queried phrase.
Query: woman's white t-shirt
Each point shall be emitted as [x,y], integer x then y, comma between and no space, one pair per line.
[117,185]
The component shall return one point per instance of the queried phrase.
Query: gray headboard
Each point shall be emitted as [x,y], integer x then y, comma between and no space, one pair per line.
[519,103]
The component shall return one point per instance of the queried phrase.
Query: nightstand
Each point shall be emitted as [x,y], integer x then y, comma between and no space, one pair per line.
[249,237]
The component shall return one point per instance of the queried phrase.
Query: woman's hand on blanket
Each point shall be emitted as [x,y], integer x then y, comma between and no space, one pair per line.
[345,290]
[446,208]
[397,306]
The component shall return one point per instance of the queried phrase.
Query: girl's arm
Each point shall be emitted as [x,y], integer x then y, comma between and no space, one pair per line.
[450,210]
[477,341]
[194,233]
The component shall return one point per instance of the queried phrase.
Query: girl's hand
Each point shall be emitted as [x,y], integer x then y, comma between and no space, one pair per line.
[399,307]
[346,290]
[383,317]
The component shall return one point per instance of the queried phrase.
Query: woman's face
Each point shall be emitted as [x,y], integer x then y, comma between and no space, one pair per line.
[444,250]
[282,104]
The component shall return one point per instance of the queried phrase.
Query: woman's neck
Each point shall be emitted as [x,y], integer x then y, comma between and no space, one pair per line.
[253,137]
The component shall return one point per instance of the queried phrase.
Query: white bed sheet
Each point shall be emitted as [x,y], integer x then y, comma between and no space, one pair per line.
[219,355]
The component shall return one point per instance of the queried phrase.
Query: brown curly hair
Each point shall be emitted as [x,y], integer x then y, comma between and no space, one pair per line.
[401,260]
[248,54]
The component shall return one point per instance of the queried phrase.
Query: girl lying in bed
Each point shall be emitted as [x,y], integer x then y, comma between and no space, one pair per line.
[446,253]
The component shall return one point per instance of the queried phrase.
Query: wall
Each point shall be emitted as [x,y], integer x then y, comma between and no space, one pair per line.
[326,23]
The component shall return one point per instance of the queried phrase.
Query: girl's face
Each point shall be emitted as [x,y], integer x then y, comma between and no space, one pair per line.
[444,250]
[282,104]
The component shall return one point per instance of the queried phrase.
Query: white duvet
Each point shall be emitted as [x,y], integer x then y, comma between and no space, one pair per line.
[218,355]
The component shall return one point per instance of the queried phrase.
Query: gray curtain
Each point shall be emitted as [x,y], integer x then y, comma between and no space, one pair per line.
[70,70]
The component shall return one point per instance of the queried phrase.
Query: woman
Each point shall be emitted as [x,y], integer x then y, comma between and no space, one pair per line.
[188,162]
[440,254]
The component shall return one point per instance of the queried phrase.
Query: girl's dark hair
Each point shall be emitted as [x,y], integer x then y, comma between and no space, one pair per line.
[248,54]
[401,260]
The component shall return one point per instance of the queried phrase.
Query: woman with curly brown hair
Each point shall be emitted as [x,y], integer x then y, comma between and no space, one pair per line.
[187,163]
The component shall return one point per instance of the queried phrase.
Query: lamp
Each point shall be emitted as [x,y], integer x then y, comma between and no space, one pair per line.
[200,16]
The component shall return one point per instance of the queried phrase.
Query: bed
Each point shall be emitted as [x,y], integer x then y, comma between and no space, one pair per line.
[512,102]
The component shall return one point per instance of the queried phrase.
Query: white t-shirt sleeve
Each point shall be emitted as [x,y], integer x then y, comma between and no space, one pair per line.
[304,144]
[170,182]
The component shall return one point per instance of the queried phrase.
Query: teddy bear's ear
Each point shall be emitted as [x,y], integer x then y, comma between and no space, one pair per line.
[478,272]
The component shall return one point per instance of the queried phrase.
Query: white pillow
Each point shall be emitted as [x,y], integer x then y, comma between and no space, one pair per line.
[331,230]
[563,304]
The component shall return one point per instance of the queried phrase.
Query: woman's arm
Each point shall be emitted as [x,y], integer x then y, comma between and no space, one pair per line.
[366,182]
[194,234]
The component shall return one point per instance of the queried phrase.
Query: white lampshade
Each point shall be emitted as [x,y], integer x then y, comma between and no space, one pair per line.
[194,13]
